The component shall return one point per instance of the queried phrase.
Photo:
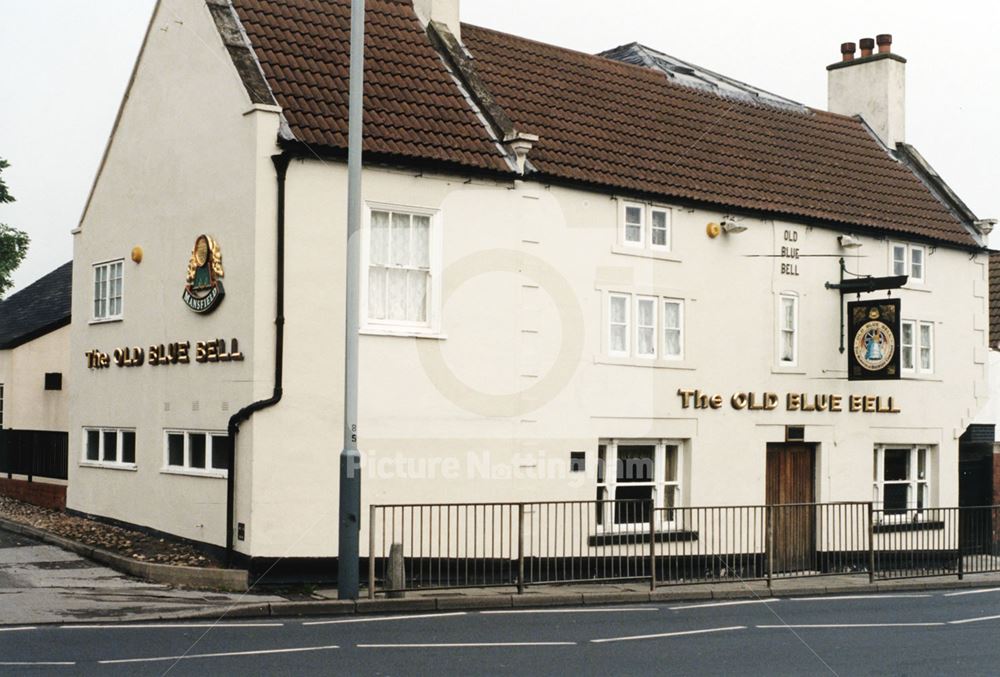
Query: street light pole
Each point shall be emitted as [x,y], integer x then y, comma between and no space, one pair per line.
[350,458]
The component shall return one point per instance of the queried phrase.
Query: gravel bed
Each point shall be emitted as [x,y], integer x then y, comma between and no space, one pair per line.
[126,542]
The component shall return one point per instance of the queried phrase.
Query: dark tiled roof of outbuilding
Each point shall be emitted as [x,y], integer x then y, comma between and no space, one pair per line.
[38,309]
[602,123]
[994,299]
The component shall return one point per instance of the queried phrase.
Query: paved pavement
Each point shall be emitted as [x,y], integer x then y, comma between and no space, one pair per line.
[918,633]
[45,584]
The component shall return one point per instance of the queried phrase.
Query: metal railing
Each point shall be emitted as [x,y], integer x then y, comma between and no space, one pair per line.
[440,546]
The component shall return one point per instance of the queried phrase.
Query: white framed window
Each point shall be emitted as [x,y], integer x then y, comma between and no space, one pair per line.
[926,336]
[401,279]
[659,225]
[907,345]
[902,481]
[645,227]
[196,452]
[908,259]
[788,330]
[109,288]
[618,329]
[645,327]
[109,447]
[673,329]
[916,347]
[634,225]
[633,477]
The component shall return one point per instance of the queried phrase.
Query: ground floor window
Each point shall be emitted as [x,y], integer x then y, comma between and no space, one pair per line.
[635,477]
[110,447]
[196,452]
[902,480]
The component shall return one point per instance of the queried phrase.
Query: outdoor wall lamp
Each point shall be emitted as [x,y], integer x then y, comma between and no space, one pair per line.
[849,241]
[733,225]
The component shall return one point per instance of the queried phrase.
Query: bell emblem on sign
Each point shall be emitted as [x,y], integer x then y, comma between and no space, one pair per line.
[204,290]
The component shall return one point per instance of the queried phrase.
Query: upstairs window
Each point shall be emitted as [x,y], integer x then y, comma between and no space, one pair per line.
[400,290]
[645,227]
[108,290]
[908,259]
[788,330]
[645,327]
[916,346]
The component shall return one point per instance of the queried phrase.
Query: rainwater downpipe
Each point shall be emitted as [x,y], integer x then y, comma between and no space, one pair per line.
[281,166]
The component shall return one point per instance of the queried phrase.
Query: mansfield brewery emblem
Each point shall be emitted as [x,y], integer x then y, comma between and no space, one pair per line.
[204,290]
[874,349]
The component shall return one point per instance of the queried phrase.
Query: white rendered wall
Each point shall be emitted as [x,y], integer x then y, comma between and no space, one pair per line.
[186,159]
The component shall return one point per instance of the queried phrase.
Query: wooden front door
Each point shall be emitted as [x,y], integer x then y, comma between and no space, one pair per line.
[790,490]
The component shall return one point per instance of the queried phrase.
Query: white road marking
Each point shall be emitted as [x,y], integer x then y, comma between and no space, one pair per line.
[461,645]
[166,626]
[218,655]
[839,597]
[384,618]
[36,663]
[31,627]
[973,620]
[669,634]
[714,604]
[851,625]
[569,611]
[971,592]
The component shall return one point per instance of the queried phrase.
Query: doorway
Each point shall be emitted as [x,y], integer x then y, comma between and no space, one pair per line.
[791,473]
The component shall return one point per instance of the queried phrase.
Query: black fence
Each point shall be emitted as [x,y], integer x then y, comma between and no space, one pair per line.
[34,453]
[435,546]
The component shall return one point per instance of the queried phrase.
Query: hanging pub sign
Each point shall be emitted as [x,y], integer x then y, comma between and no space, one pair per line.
[873,332]
[204,291]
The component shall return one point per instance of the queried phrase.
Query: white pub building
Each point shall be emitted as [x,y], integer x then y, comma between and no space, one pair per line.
[567,259]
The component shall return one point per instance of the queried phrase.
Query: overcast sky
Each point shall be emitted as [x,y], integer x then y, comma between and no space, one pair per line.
[64,65]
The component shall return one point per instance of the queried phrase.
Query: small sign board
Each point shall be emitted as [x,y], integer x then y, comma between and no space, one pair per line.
[873,340]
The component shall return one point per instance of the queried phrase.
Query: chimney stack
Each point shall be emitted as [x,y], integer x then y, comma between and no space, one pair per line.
[872,86]
[440,11]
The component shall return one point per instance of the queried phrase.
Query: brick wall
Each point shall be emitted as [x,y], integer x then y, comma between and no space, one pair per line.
[37,493]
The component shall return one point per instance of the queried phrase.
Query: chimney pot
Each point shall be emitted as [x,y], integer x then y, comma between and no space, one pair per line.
[884,42]
[847,51]
[867,46]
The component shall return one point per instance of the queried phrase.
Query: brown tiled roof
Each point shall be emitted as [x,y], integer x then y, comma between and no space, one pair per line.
[413,108]
[601,122]
[994,299]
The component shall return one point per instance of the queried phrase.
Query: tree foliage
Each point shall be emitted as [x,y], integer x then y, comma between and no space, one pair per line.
[13,242]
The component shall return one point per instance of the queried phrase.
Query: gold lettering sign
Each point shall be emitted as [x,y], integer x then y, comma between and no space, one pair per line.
[165,354]
[692,398]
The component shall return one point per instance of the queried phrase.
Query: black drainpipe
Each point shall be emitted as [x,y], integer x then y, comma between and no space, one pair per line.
[281,165]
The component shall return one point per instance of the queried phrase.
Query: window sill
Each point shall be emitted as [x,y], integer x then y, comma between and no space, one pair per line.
[403,333]
[790,370]
[646,253]
[634,538]
[903,527]
[916,287]
[128,467]
[107,320]
[679,365]
[911,376]
[190,472]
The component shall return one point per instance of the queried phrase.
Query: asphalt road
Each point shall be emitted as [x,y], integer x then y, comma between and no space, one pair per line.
[939,633]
